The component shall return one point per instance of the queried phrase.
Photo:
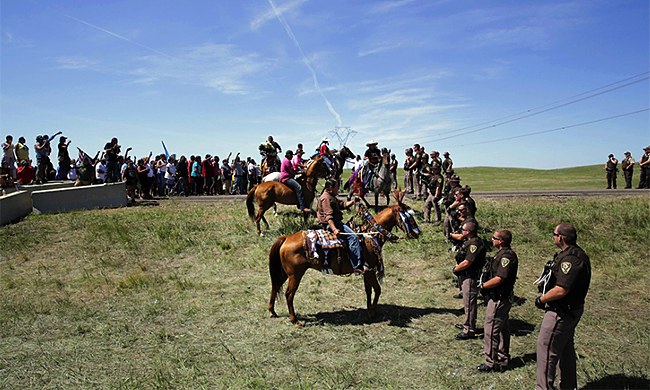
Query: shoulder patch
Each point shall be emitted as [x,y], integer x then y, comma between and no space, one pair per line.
[565,267]
[505,261]
[472,248]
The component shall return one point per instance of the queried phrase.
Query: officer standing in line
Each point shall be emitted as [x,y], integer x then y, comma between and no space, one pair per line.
[435,184]
[448,163]
[611,167]
[644,164]
[469,271]
[415,168]
[628,169]
[497,285]
[564,285]
[408,173]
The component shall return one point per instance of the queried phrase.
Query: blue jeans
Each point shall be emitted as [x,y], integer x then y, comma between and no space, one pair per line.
[353,243]
[295,186]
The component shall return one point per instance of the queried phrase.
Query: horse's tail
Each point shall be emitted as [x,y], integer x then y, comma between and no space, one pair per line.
[249,203]
[278,276]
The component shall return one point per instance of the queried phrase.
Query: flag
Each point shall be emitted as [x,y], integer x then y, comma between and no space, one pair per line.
[83,156]
[165,148]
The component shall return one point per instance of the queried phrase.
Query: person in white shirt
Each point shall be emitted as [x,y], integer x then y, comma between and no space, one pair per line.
[170,174]
[100,171]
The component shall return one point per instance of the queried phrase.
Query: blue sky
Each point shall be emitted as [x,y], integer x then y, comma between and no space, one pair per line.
[220,76]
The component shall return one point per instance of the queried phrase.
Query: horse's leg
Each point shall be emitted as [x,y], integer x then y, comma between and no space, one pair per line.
[260,217]
[371,282]
[368,287]
[274,294]
[290,293]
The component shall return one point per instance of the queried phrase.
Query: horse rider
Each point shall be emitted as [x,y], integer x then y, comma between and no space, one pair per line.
[372,156]
[325,152]
[330,216]
[269,151]
[287,177]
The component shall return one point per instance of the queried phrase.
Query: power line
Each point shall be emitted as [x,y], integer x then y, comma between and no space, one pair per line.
[542,109]
[555,129]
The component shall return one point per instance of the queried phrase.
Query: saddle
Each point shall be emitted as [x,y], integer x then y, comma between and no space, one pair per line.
[323,249]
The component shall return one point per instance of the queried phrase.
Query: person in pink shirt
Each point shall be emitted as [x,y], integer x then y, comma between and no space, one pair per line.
[287,177]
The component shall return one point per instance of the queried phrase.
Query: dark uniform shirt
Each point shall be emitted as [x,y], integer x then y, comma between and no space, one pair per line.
[436,182]
[474,253]
[505,265]
[611,165]
[572,271]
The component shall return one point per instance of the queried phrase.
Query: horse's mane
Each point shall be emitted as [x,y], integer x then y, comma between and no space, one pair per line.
[312,166]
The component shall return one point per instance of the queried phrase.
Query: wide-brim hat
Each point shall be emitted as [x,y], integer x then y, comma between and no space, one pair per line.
[628,153]
[288,153]
[455,178]
[372,143]
[325,139]
[446,154]
[647,148]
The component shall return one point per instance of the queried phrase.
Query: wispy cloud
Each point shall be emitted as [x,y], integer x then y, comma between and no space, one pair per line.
[382,47]
[217,66]
[271,14]
[75,63]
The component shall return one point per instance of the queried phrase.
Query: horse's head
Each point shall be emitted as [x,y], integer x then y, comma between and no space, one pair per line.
[405,216]
[346,153]
[385,156]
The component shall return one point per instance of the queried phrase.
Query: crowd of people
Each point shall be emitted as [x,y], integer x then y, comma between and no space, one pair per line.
[147,177]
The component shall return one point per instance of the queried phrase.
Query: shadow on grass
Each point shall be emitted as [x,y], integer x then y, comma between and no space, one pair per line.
[520,328]
[521,361]
[619,381]
[395,315]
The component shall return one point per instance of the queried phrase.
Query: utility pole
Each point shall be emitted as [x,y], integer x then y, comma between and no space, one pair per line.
[343,134]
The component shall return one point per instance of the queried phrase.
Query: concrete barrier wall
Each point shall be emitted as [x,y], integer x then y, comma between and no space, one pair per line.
[52,185]
[80,198]
[15,206]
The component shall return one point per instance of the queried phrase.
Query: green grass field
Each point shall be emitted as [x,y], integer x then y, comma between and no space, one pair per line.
[175,296]
[590,177]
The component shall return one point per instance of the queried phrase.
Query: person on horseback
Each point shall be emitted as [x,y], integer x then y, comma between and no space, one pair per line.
[330,216]
[324,151]
[372,156]
[287,174]
[269,151]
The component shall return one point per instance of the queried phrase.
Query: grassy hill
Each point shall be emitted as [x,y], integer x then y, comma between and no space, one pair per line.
[175,296]
[501,179]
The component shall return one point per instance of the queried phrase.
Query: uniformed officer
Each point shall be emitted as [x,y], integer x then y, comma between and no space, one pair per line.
[564,286]
[408,173]
[435,184]
[644,164]
[628,169]
[415,167]
[497,284]
[469,271]
[611,167]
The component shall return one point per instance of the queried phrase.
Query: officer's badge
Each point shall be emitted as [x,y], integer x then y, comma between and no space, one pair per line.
[505,261]
[565,267]
[472,248]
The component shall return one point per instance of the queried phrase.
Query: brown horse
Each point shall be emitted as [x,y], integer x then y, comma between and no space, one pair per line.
[288,260]
[268,193]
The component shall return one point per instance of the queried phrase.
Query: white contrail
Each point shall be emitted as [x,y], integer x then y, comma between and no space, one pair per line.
[114,34]
[284,23]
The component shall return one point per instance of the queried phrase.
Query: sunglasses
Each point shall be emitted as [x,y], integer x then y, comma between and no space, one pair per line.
[496,238]
[556,234]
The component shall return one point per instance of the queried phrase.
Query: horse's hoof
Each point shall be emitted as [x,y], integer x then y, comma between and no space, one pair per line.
[261,234]
[273,315]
